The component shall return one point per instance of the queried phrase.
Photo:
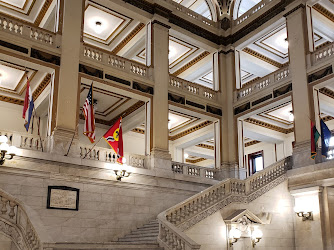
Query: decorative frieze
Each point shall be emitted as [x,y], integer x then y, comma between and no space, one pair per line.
[269,126]
[190,130]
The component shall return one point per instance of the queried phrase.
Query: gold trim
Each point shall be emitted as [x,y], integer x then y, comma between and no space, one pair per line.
[45,82]
[184,56]
[191,63]
[196,160]
[328,92]
[127,112]
[191,119]
[43,11]
[269,126]
[251,143]
[128,38]
[324,11]
[202,145]
[11,100]
[138,130]
[262,57]
[190,130]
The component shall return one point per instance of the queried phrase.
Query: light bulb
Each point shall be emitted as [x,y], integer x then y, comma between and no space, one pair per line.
[3,139]
[257,233]
[291,117]
[123,160]
[235,233]
[4,147]
[98,27]
[186,156]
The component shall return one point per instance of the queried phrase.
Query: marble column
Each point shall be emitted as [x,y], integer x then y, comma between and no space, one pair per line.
[301,96]
[229,132]
[68,85]
[160,156]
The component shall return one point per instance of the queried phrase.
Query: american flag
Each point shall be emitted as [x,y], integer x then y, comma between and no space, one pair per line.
[88,109]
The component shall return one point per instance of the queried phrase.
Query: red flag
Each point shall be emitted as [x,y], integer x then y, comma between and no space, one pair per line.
[114,137]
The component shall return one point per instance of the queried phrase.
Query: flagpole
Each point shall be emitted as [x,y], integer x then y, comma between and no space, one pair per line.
[40,138]
[71,142]
[90,150]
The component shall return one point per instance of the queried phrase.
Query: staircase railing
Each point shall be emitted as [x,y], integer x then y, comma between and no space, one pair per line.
[173,221]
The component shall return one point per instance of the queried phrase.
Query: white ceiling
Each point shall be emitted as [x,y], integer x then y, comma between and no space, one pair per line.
[199,6]
[26,10]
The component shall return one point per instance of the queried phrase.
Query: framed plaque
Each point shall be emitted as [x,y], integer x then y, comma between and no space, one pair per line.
[61,197]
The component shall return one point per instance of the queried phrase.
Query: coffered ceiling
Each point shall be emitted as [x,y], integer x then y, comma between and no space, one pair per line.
[199,6]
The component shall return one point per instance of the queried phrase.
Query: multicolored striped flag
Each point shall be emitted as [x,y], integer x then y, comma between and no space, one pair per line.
[114,137]
[88,110]
[28,106]
[314,139]
[326,135]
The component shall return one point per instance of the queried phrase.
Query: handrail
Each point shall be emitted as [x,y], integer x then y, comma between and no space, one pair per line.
[278,76]
[322,54]
[192,88]
[17,223]
[193,170]
[177,218]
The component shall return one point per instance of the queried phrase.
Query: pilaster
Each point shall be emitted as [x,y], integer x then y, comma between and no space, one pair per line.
[301,96]
[68,87]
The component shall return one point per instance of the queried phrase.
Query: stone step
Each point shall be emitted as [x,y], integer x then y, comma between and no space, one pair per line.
[139,233]
[139,239]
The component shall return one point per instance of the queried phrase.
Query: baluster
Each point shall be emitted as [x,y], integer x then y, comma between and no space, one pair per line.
[12,207]
[4,205]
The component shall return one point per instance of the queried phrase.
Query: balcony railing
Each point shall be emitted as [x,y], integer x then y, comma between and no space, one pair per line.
[15,27]
[279,76]
[192,88]
[323,54]
[193,170]
[116,62]
[251,12]
[174,221]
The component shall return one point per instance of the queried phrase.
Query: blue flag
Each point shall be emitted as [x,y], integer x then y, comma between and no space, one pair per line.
[326,135]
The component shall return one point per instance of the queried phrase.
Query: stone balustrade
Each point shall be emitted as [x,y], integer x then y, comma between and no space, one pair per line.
[189,212]
[15,223]
[280,76]
[192,88]
[108,155]
[180,8]
[251,12]
[24,30]
[193,170]
[115,62]
[323,54]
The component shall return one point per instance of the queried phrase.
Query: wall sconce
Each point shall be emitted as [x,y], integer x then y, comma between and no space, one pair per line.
[305,215]
[234,236]
[6,150]
[121,174]
[256,236]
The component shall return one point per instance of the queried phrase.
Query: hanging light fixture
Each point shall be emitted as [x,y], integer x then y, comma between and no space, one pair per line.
[6,150]
[98,27]
[291,116]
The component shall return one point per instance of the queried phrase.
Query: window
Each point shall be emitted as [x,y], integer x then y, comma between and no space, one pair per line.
[255,162]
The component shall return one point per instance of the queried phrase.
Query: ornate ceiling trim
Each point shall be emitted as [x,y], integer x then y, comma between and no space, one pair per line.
[327,92]
[127,39]
[202,145]
[323,11]
[251,143]
[196,160]
[138,130]
[42,12]
[11,100]
[269,126]
[190,130]
[263,58]
[191,63]
[45,82]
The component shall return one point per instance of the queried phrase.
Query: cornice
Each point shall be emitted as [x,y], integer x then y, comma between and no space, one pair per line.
[138,130]
[323,11]
[127,39]
[41,86]
[190,130]
[195,161]
[294,9]
[42,12]
[262,57]
[191,63]
[202,145]
[327,92]
[269,126]
[251,143]
[11,100]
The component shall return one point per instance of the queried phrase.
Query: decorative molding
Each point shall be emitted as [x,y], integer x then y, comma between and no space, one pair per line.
[251,143]
[269,126]
[191,63]
[127,112]
[196,160]
[328,92]
[202,145]
[41,86]
[138,130]
[324,11]
[294,9]
[11,100]
[190,130]
[231,199]
[42,12]
[128,38]
[263,58]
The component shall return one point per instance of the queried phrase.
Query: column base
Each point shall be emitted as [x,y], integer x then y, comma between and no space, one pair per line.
[232,170]
[160,159]
[60,141]
[302,154]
